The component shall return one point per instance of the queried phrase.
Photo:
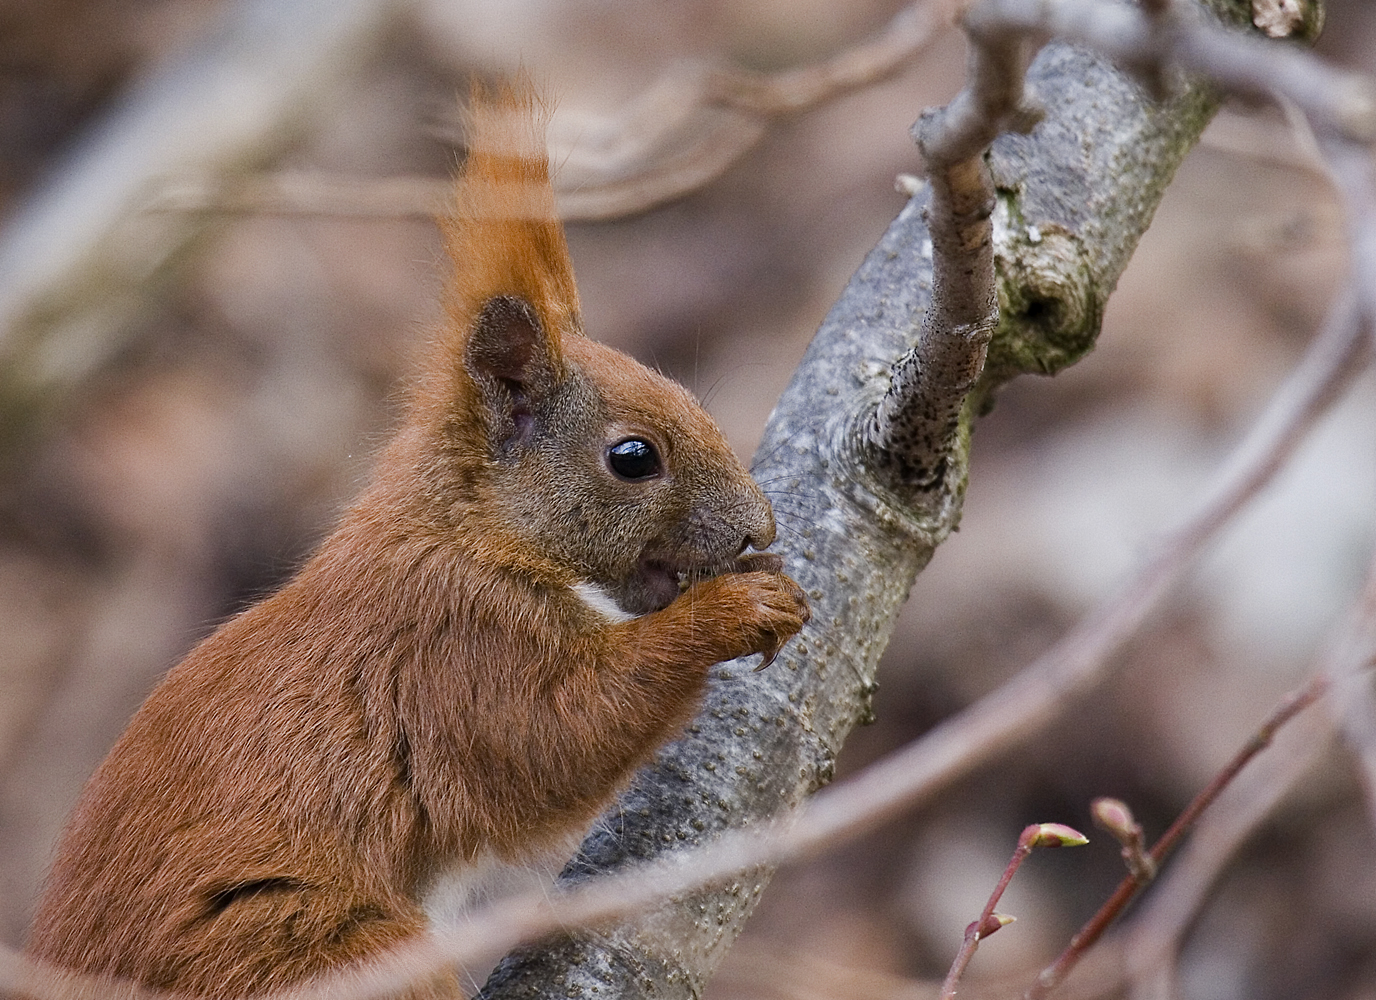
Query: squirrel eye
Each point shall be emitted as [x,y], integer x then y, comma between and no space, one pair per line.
[633,458]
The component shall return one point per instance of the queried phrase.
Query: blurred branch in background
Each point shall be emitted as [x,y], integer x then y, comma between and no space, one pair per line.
[1154,938]
[682,132]
[79,259]
[689,126]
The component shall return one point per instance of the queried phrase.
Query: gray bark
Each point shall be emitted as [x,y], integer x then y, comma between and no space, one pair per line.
[1074,197]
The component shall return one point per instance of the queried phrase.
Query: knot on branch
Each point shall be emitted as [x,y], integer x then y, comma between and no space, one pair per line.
[1049,310]
[1297,19]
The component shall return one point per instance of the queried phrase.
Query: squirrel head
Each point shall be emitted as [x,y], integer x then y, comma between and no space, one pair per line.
[552,452]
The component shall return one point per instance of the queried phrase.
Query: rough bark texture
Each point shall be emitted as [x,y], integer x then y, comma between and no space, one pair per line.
[1074,198]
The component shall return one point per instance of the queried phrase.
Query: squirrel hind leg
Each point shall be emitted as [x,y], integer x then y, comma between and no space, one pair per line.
[270,934]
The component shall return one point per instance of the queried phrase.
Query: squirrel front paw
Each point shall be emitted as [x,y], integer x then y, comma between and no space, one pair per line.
[755,611]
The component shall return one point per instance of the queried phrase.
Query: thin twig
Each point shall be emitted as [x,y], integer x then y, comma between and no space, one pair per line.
[1114,816]
[1154,937]
[1346,667]
[1032,837]
[1354,174]
[1089,934]
[988,921]
[1332,99]
[913,429]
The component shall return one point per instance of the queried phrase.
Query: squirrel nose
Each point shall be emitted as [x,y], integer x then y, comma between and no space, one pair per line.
[757,542]
[760,536]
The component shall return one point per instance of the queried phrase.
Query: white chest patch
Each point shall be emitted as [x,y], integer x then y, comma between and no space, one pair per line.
[464,887]
[467,885]
[602,602]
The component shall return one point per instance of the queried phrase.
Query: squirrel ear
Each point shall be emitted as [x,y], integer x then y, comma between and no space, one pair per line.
[513,361]
[507,341]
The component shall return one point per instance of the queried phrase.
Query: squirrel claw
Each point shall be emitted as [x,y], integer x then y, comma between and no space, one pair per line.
[767,656]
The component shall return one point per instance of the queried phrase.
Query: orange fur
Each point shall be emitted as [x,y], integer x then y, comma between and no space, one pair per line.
[432,685]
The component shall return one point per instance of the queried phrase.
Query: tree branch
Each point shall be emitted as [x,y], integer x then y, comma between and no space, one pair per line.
[853,536]
[1143,867]
[915,427]
[1156,934]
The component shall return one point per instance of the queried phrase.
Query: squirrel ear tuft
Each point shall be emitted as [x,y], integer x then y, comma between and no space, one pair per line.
[507,343]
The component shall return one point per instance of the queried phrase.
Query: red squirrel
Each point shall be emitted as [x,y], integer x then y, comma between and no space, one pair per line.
[520,609]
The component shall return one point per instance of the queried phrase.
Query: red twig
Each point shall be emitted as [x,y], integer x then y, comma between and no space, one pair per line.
[1032,837]
[1138,876]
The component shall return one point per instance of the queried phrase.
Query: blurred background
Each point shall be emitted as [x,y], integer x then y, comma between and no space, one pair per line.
[203,396]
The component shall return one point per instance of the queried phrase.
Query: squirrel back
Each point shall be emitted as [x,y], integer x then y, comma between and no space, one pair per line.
[517,612]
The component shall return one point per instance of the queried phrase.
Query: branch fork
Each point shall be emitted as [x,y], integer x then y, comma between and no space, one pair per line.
[915,431]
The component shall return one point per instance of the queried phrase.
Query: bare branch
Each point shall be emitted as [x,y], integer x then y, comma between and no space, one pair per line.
[697,120]
[989,921]
[915,426]
[1155,936]
[1089,934]
[1181,36]
[1153,939]
[914,434]
[686,130]
[1027,703]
